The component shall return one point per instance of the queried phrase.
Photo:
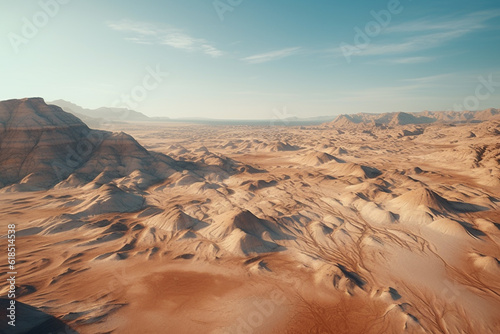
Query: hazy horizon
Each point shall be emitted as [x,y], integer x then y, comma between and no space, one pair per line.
[276,114]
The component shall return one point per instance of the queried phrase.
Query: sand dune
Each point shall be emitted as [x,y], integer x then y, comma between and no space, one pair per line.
[318,158]
[366,227]
[422,197]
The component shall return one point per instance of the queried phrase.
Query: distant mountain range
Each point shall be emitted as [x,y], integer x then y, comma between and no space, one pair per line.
[423,117]
[91,116]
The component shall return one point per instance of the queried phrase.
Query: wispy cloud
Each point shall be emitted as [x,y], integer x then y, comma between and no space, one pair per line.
[424,34]
[140,28]
[378,94]
[412,60]
[403,60]
[470,22]
[430,79]
[270,56]
[406,88]
[146,33]
[413,44]
[259,93]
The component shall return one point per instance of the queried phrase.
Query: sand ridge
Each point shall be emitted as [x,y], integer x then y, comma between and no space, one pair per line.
[351,231]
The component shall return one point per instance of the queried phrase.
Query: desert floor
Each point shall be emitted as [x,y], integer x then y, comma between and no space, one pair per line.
[287,230]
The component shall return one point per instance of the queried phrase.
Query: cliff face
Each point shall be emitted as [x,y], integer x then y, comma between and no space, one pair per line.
[33,136]
[42,145]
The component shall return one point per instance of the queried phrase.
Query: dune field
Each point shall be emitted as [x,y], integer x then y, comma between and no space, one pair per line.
[344,227]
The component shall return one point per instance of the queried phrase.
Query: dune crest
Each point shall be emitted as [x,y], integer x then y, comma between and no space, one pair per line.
[376,224]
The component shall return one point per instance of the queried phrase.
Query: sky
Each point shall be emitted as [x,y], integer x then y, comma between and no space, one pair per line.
[253,59]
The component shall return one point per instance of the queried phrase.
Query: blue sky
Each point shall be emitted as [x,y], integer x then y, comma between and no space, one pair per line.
[253,59]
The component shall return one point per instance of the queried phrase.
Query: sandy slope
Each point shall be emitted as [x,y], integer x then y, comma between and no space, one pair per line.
[274,230]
